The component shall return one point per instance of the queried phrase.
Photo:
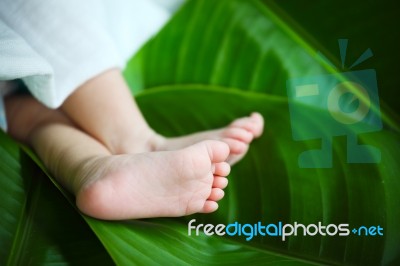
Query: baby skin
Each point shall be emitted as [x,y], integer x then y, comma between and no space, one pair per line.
[120,168]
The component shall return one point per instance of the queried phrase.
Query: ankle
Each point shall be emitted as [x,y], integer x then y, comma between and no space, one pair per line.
[145,140]
[83,174]
[156,142]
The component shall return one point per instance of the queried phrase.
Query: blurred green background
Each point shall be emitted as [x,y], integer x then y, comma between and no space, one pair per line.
[367,24]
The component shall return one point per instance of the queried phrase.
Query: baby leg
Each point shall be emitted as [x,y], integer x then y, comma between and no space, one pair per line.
[105,108]
[61,146]
[171,183]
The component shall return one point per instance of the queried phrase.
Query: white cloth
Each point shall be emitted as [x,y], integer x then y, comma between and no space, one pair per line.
[56,45]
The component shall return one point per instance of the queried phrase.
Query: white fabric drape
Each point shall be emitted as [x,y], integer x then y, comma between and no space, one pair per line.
[56,45]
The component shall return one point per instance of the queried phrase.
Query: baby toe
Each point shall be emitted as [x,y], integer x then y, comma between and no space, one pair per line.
[239,134]
[236,146]
[220,182]
[218,151]
[209,206]
[216,194]
[246,123]
[258,124]
[221,169]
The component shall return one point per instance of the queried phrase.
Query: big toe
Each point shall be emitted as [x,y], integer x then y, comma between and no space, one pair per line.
[258,124]
[218,151]
[254,124]
[236,146]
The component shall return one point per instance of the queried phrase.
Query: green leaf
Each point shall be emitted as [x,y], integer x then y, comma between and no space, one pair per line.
[37,225]
[268,185]
[254,47]
[366,24]
[249,45]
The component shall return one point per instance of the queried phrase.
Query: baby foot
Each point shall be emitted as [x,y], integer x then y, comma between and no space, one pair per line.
[155,184]
[238,135]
